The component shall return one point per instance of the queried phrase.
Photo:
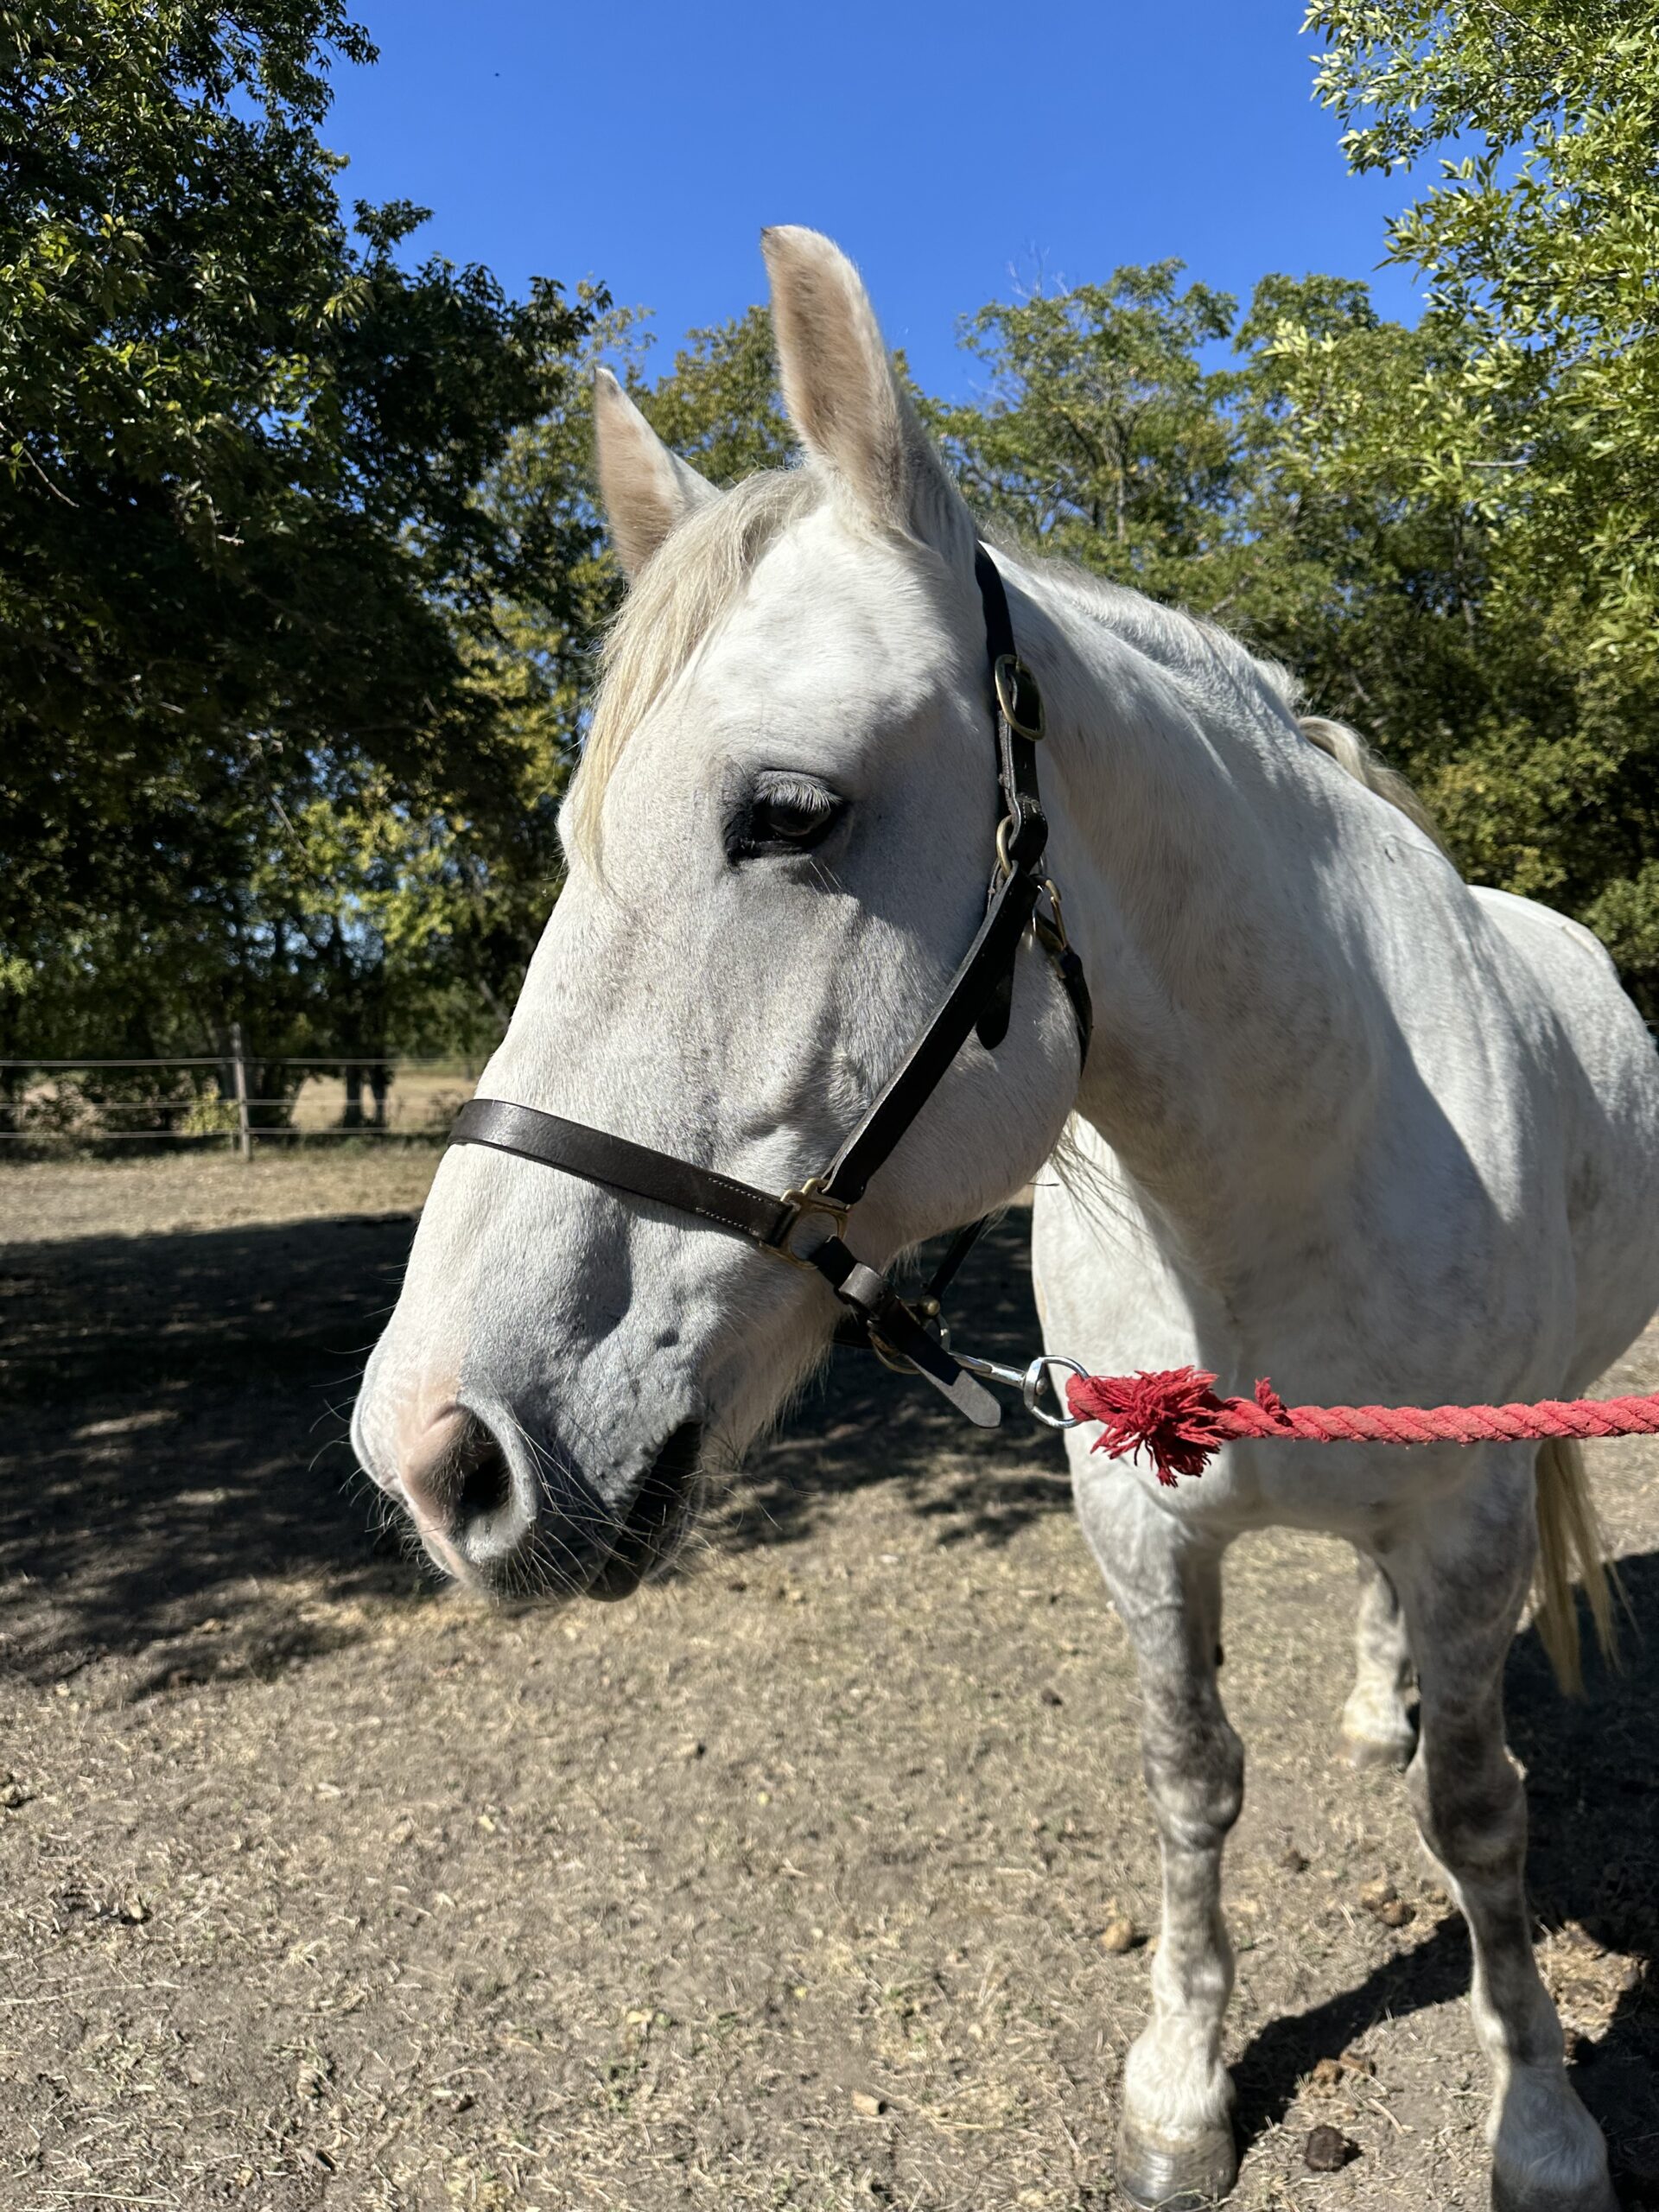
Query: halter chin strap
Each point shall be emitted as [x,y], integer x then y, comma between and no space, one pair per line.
[980,996]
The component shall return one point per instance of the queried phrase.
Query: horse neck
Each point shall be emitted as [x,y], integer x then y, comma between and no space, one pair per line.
[1217,873]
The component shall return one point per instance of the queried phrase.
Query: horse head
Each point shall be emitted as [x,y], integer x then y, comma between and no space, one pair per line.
[778,846]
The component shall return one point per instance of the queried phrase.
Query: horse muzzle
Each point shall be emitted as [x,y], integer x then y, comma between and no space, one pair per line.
[502,1512]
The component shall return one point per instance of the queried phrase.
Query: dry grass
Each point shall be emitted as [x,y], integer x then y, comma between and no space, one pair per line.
[778,1888]
[50,1201]
[419,1103]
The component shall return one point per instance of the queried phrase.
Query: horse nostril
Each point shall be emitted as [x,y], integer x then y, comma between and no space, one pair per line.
[486,1478]
[459,1476]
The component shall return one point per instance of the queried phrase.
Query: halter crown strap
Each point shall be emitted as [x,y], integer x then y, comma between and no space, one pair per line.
[980,993]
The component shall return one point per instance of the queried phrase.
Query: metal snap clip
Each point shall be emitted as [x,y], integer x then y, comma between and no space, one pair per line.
[1036,1383]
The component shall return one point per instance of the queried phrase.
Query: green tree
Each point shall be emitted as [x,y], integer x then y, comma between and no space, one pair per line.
[719,406]
[1286,496]
[1529,418]
[1540,238]
[535,660]
[1101,432]
[244,572]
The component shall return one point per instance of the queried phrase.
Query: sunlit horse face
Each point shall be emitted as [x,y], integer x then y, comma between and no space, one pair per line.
[779,852]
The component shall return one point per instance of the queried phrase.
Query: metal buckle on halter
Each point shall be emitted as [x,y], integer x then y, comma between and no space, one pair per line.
[1027,825]
[805,1200]
[1017,697]
[1004,867]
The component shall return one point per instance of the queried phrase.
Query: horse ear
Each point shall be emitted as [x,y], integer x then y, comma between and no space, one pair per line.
[843,398]
[646,489]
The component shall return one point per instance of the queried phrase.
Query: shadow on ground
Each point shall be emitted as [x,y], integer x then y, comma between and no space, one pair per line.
[174,1434]
[174,1430]
[1593,1799]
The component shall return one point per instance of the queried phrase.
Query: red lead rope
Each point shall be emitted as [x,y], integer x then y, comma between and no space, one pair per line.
[1176,1417]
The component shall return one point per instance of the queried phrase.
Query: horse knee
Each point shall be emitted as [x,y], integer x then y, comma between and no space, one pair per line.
[1195,1779]
[1471,1811]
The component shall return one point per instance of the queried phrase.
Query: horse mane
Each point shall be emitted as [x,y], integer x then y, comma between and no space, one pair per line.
[678,598]
[1193,645]
[697,574]
[1349,751]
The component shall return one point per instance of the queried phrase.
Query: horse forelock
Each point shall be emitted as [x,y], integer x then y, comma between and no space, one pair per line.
[679,598]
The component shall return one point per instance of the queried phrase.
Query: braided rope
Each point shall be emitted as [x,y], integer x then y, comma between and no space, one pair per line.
[1175,1417]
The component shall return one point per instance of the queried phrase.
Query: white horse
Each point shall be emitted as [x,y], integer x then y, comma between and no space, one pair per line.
[1345,1122]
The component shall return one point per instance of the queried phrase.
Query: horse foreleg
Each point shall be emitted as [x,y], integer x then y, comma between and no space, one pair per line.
[1377,1729]
[1175,2142]
[1462,1580]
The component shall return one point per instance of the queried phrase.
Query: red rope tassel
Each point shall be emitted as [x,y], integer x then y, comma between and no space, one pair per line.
[1177,1418]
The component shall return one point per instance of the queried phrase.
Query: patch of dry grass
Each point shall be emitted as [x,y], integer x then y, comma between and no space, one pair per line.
[46,1201]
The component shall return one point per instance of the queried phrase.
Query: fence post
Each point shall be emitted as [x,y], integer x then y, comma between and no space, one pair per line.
[239,1070]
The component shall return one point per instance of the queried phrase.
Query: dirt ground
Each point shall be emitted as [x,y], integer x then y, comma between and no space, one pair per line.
[781,1887]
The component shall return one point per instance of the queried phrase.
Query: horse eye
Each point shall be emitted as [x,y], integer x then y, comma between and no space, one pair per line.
[786,816]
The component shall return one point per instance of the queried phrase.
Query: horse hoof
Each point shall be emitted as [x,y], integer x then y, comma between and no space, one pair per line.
[1364,1751]
[1155,2174]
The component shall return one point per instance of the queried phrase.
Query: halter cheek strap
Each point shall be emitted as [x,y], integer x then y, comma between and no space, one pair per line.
[979,997]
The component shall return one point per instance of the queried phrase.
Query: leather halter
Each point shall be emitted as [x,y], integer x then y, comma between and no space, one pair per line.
[980,997]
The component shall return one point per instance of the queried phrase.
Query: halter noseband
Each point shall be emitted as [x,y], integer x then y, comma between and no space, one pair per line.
[980,997]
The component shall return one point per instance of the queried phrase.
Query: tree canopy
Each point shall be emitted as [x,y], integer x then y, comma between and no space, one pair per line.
[1529,418]
[245,575]
[1540,238]
[301,578]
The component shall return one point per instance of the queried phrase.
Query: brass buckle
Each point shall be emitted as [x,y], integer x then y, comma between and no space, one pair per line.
[805,1200]
[1012,678]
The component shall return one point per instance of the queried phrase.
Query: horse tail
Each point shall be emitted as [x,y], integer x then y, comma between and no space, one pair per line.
[1569,1538]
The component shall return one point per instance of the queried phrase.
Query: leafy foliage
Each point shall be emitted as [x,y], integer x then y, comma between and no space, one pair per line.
[720,404]
[1531,416]
[243,555]
[1100,433]
[1540,238]
[301,578]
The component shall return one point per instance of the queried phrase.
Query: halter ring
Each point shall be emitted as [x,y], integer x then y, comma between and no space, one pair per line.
[1017,697]
[1004,865]
[1037,1382]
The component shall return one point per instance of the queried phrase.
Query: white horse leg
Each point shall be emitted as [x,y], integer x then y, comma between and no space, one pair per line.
[1463,1578]
[1175,2144]
[1377,1729]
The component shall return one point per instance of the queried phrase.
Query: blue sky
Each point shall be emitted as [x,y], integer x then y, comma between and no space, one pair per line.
[954,152]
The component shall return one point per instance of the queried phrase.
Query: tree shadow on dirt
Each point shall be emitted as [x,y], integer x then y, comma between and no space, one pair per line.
[173,1412]
[173,1427]
[1592,1779]
[859,1424]
[173,1417]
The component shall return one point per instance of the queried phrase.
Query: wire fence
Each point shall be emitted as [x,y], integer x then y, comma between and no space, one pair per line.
[55,1102]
